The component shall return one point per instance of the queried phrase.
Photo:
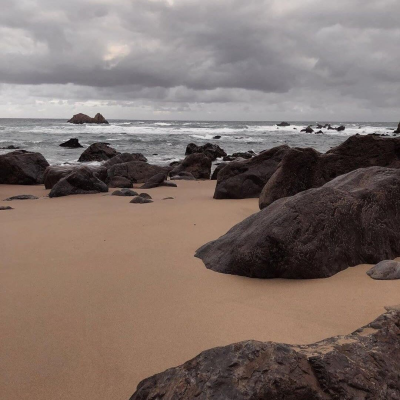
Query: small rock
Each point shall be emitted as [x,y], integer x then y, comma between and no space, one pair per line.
[217,137]
[3,208]
[145,196]
[22,197]
[140,200]
[283,124]
[385,270]
[124,192]
[168,198]
[71,144]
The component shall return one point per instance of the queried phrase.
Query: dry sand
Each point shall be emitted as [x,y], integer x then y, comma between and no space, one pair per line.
[97,294]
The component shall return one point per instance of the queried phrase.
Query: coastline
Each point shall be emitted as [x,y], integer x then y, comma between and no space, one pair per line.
[99,293]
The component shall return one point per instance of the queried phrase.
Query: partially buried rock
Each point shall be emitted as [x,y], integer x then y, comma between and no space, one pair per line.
[124,192]
[145,196]
[316,233]
[155,181]
[168,198]
[85,119]
[385,270]
[22,197]
[98,152]
[140,200]
[71,144]
[198,164]
[363,365]
[4,208]
[22,168]
[80,181]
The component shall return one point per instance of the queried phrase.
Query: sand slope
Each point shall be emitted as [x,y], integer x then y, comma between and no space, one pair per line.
[97,294]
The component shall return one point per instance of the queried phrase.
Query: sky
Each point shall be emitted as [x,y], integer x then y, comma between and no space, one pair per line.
[201,59]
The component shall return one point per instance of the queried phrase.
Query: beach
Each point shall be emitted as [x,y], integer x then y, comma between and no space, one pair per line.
[98,294]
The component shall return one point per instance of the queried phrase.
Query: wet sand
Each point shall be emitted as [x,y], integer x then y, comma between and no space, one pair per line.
[97,294]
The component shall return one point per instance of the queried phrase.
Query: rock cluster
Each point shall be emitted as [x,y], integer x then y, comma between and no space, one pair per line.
[85,119]
[212,151]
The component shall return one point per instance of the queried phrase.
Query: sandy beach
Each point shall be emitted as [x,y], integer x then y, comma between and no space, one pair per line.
[98,294]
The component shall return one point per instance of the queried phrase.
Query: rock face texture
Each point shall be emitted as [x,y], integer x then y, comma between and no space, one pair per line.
[316,233]
[22,168]
[79,181]
[85,119]
[246,179]
[98,152]
[198,164]
[364,365]
[385,270]
[123,158]
[120,182]
[71,144]
[214,175]
[302,169]
[155,181]
[212,151]
[55,173]
[135,171]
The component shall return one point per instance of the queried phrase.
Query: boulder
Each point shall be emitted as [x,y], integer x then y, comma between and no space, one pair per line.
[140,200]
[155,181]
[85,119]
[168,198]
[283,124]
[145,196]
[120,182]
[398,129]
[22,197]
[217,137]
[198,164]
[214,175]
[71,144]
[303,169]
[123,158]
[362,365]
[135,171]
[124,192]
[22,168]
[212,151]
[316,233]
[308,130]
[55,173]
[79,181]
[246,179]
[98,152]
[385,270]
[340,128]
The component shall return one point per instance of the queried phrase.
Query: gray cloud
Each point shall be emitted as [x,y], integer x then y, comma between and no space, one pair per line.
[263,59]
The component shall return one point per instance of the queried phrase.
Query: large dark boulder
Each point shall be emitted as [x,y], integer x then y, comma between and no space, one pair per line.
[79,181]
[98,152]
[198,164]
[55,173]
[246,179]
[155,181]
[212,151]
[302,169]
[22,168]
[363,365]
[214,175]
[123,158]
[135,171]
[71,144]
[354,219]
[85,119]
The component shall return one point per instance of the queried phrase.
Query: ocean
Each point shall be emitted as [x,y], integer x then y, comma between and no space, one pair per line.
[165,141]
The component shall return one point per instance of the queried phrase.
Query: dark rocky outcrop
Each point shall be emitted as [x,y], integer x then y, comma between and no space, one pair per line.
[303,169]
[308,130]
[124,192]
[398,129]
[246,179]
[198,164]
[135,171]
[22,168]
[212,151]
[124,158]
[316,233]
[85,119]
[214,175]
[340,128]
[71,144]
[22,197]
[55,173]
[385,270]
[98,152]
[363,365]
[79,181]
[283,124]
[140,200]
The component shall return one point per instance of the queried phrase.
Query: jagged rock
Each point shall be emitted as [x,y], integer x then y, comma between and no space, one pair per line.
[316,233]
[246,179]
[212,151]
[340,128]
[79,181]
[140,200]
[55,173]
[385,270]
[318,133]
[303,169]
[168,198]
[71,144]
[283,124]
[155,181]
[135,171]
[123,158]
[85,119]
[4,208]
[124,192]
[198,164]
[308,130]
[22,197]
[22,168]
[98,152]
[398,129]
[214,175]
[362,365]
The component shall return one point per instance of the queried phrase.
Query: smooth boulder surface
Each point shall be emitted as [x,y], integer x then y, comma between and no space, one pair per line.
[155,181]
[354,219]
[302,169]
[198,164]
[135,171]
[385,270]
[98,152]
[246,179]
[123,158]
[55,173]
[22,168]
[22,197]
[85,119]
[79,181]
[71,144]
[212,151]
[364,365]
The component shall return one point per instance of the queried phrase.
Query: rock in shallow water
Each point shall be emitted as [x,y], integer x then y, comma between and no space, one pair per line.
[316,233]
[362,365]
[385,270]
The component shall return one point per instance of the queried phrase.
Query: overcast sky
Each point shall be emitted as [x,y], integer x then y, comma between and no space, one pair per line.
[201,59]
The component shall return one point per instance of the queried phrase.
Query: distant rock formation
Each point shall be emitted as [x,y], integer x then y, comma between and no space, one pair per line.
[71,144]
[283,124]
[85,119]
